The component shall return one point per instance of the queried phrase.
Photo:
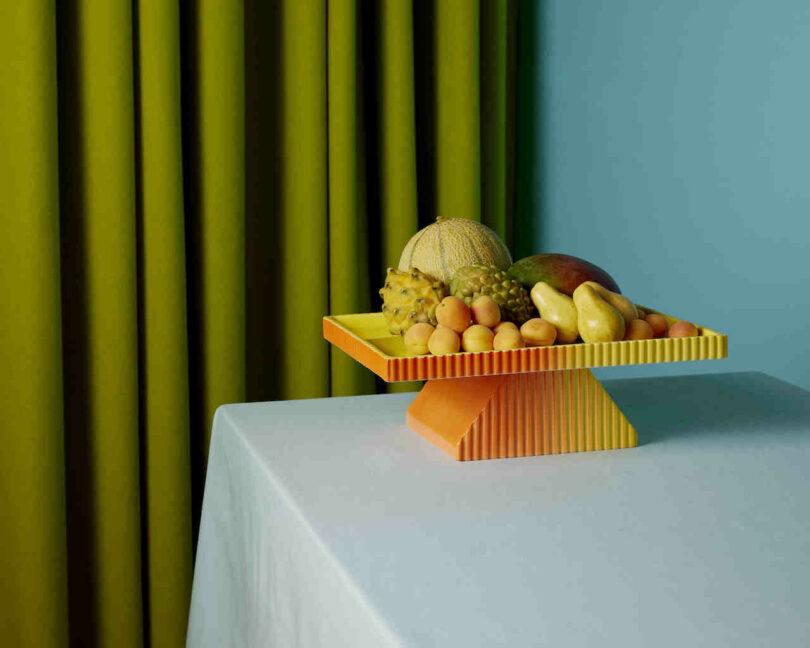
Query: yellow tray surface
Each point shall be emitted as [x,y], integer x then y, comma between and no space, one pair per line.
[365,337]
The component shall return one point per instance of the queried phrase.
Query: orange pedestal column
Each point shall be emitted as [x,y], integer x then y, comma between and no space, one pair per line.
[520,415]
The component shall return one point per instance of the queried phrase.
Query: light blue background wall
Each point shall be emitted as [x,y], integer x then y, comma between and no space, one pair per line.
[673,149]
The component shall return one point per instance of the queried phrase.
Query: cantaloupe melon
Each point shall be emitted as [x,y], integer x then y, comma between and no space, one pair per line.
[450,243]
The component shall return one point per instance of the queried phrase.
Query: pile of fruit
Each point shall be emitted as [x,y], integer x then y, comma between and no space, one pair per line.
[456,288]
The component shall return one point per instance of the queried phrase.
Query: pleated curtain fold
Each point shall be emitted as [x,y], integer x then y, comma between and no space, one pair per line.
[185,190]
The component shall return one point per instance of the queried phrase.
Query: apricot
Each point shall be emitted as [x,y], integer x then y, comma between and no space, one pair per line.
[416,338]
[477,338]
[638,329]
[485,311]
[683,329]
[657,323]
[538,332]
[508,338]
[443,340]
[453,313]
[502,326]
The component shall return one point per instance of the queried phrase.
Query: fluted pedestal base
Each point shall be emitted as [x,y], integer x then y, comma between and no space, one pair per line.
[520,415]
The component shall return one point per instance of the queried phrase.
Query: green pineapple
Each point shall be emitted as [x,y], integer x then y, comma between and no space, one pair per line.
[472,281]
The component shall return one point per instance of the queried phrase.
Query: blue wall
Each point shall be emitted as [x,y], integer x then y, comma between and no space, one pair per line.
[673,149]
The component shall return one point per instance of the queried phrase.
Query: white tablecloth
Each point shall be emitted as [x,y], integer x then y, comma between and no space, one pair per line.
[330,523]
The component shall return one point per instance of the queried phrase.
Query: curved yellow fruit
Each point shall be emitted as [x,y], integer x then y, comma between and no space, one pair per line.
[619,302]
[451,243]
[597,320]
[557,308]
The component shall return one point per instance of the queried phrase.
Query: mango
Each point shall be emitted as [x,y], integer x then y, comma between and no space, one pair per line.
[597,320]
[619,302]
[558,309]
[560,271]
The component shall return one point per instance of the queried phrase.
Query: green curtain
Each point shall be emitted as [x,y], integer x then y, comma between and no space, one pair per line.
[33,550]
[186,188]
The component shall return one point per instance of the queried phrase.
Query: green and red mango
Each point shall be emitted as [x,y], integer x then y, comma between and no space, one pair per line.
[560,271]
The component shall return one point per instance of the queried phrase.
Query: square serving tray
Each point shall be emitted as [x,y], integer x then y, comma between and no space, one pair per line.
[365,338]
[519,402]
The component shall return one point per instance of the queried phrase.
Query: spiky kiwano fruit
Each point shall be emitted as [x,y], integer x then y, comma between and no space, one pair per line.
[410,297]
[470,282]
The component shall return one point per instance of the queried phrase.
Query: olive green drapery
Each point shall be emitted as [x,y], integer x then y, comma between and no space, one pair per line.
[186,188]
